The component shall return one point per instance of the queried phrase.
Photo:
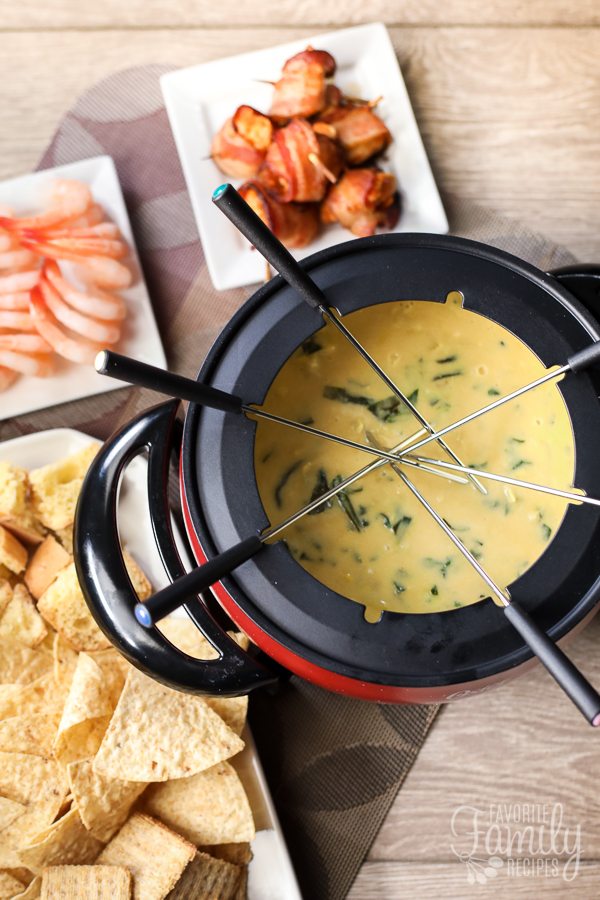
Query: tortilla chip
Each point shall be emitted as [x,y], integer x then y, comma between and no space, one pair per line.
[185,635]
[233,710]
[21,622]
[86,883]
[157,733]
[208,877]
[36,818]
[154,855]
[38,696]
[28,779]
[238,854]
[208,808]
[65,841]
[64,660]
[9,811]
[88,708]
[9,886]
[30,733]
[103,804]
[63,606]
[140,583]
[32,892]
[21,665]
[115,669]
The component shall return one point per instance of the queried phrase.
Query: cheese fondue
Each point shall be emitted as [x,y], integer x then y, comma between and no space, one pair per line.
[374,543]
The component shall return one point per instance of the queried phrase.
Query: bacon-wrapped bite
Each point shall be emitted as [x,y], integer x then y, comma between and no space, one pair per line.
[294,225]
[293,169]
[361,133]
[240,147]
[362,200]
[301,90]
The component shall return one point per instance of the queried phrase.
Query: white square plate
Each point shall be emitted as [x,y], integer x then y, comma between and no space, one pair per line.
[270,875]
[199,100]
[140,336]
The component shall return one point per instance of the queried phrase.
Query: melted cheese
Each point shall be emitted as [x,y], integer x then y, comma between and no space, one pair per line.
[376,544]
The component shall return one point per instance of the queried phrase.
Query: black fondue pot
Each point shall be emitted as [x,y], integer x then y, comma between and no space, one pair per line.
[293,618]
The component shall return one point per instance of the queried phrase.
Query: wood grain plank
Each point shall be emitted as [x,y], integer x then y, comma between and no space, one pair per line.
[333,14]
[509,118]
[407,881]
[521,744]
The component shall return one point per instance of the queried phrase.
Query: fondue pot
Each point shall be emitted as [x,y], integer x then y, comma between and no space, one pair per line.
[296,622]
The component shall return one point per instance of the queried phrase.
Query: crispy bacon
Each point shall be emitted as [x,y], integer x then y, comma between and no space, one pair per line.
[240,147]
[288,172]
[294,225]
[362,200]
[301,90]
[361,133]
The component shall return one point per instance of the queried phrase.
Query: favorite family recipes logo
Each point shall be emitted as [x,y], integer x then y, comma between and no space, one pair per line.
[517,840]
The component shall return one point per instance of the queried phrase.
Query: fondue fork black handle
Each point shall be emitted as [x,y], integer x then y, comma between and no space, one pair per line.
[571,680]
[227,199]
[239,212]
[133,371]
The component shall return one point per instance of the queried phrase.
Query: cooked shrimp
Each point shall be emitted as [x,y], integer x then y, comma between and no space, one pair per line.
[103,332]
[25,363]
[97,303]
[7,376]
[107,273]
[18,258]
[16,321]
[24,343]
[18,302]
[80,246]
[66,200]
[101,230]
[7,241]
[101,269]
[93,216]
[76,349]
[19,281]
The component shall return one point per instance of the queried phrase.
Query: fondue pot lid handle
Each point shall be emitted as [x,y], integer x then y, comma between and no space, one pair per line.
[106,585]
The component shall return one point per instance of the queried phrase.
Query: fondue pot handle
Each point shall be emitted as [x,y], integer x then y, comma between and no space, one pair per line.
[106,585]
[583,281]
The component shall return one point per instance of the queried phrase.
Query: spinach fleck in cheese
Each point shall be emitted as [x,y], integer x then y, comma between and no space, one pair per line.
[374,543]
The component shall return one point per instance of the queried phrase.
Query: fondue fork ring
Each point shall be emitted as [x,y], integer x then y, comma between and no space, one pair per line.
[567,676]
[229,201]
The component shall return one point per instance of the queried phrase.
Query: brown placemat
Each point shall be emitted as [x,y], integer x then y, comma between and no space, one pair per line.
[334,764]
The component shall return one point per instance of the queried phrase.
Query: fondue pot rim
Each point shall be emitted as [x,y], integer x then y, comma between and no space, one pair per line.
[200,532]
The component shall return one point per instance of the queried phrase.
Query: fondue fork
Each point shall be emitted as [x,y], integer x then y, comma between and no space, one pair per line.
[142,374]
[134,371]
[575,363]
[571,496]
[564,672]
[227,199]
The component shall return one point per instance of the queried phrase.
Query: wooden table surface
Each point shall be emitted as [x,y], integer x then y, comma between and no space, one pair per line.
[507,95]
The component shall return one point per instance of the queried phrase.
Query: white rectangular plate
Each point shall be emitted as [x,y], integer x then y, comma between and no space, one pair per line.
[140,336]
[271,876]
[199,99]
